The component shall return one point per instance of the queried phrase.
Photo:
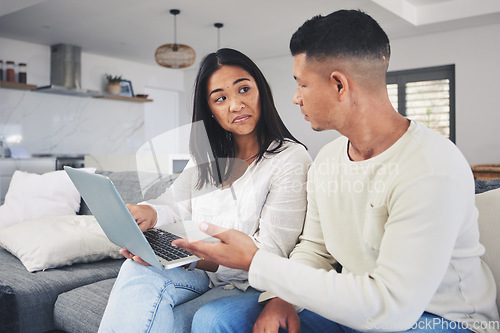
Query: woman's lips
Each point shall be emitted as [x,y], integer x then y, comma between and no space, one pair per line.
[240,119]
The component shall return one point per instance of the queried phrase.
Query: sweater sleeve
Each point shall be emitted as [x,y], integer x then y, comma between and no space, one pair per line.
[312,250]
[423,222]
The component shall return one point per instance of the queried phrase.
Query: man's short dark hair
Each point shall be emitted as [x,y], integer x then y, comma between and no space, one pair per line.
[341,34]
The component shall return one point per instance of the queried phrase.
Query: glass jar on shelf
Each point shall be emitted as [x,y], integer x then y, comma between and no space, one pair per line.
[21,73]
[10,73]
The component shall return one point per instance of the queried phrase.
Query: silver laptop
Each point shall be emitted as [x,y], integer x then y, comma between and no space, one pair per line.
[107,206]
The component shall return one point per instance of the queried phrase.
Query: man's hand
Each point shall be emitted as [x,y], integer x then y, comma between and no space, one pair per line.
[235,249]
[277,314]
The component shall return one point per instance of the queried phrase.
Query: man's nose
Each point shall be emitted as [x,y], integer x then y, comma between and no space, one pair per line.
[297,98]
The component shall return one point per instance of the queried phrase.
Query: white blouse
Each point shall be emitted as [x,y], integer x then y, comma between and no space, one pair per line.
[268,202]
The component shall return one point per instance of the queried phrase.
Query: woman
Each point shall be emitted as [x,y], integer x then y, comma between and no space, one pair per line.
[249,175]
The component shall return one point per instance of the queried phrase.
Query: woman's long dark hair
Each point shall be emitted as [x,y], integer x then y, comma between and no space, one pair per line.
[215,158]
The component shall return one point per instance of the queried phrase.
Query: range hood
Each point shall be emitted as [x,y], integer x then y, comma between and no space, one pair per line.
[65,72]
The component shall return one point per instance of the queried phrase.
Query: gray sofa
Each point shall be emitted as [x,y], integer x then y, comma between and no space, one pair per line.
[70,298]
[73,298]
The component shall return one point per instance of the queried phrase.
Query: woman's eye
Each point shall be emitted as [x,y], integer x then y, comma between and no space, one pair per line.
[244,89]
[220,99]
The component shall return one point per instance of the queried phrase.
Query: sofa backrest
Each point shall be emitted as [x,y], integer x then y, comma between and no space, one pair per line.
[134,187]
[488,204]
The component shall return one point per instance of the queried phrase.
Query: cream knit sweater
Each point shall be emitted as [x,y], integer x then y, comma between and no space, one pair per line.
[403,224]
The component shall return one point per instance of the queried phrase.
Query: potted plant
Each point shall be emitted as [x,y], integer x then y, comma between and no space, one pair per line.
[113,86]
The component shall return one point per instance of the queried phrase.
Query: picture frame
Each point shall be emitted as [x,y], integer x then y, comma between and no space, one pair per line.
[127,90]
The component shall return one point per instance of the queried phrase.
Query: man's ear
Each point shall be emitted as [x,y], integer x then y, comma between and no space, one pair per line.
[339,80]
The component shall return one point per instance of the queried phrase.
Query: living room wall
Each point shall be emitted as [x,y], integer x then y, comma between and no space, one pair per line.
[475,53]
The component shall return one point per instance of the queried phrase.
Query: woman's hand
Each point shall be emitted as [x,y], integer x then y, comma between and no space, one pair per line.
[235,249]
[145,216]
[137,259]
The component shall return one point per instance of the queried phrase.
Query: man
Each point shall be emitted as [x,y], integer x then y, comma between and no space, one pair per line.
[390,201]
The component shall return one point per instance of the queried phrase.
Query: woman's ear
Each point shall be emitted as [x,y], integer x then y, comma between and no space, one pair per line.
[339,80]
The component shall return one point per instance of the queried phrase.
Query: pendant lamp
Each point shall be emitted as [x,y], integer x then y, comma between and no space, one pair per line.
[218,26]
[175,55]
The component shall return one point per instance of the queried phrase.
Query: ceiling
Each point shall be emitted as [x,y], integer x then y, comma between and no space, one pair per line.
[132,30]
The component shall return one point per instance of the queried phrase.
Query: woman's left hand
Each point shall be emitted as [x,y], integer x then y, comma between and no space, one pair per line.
[128,255]
[235,249]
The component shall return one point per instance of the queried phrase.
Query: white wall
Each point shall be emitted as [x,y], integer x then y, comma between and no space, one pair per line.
[36,56]
[43,123]
[475,53]
[186,97]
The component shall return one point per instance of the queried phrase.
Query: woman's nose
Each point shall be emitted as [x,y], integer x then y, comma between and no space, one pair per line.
[236,105]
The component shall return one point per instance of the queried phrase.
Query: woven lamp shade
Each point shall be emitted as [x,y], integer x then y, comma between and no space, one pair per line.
[175,55]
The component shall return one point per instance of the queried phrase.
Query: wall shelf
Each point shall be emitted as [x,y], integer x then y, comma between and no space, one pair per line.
[125,98]
[15,85]
[22,86]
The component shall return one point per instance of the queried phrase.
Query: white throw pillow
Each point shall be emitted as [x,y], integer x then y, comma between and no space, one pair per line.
[32,196]
[488,204]
[58,241]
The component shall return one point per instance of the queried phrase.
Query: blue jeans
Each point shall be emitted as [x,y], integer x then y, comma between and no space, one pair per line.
[239,313]
[146,299]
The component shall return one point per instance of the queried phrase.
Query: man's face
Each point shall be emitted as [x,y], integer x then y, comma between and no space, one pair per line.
[312,94]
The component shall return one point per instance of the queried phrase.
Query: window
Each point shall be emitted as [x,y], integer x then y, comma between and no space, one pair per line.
[426,95]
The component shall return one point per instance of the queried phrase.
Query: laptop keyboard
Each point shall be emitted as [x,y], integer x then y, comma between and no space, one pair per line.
[161,240]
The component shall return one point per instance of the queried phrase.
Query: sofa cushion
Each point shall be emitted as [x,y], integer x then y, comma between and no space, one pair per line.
[58,241]
[32,196]
[7,302]
[81,309]
[486,185]
[34,294]
[488,204]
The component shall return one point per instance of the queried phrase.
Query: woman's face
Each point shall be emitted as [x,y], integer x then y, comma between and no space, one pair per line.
[233,98]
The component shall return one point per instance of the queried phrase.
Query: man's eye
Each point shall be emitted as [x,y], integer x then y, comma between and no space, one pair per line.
[220,99]
[244,89]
